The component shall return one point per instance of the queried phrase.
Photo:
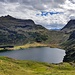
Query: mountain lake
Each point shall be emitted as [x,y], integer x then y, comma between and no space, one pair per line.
[41,54]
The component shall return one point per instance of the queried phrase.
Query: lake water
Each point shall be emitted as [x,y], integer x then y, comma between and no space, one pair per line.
[43,54]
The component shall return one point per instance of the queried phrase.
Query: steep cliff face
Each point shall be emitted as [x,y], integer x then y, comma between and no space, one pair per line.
[72,36]
[69,44]
[69,27]
[70,48]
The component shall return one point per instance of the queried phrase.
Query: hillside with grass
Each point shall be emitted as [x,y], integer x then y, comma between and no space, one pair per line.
[18,32]
[10,66]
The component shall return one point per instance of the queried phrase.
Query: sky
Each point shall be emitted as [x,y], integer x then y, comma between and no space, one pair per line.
[53,14]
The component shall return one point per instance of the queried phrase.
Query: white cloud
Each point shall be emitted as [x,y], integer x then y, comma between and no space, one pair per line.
[73,1]
[68,5]
[27,9]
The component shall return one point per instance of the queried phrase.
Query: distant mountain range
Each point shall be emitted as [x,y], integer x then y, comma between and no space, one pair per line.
[19,31]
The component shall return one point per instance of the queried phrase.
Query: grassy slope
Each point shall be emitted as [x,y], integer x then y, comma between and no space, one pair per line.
[28,45]
[35,44]
[18,67]
[54,39]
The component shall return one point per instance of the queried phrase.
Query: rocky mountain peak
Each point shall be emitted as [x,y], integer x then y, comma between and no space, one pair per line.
[69,27]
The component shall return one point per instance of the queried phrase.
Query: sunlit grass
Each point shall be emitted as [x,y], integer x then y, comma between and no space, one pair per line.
[35,44]
[10,66]
[30,45]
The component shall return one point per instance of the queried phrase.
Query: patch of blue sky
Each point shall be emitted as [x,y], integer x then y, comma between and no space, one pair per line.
[44,13]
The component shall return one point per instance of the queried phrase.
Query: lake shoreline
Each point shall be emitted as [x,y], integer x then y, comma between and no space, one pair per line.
[31,45]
